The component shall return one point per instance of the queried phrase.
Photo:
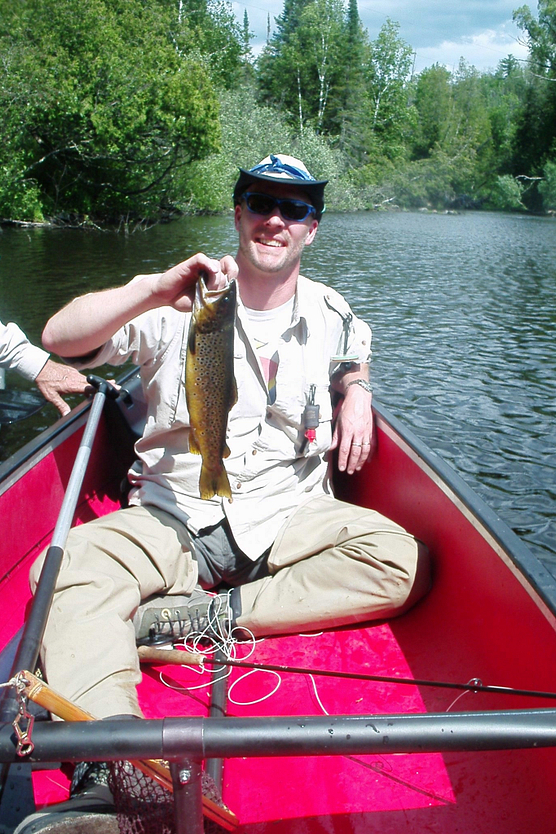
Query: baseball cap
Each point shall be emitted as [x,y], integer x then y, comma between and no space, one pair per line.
[285,170]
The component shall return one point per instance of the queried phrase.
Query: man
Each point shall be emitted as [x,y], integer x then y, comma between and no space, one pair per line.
[52,379]
[295,557]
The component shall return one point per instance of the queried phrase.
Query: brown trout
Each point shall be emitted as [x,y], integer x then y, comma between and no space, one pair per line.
[210,386]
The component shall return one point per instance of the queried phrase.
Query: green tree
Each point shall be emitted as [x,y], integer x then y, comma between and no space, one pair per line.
[547,188]
[300,70]
[535,135]
[209,30]
[505,93]
[387,70]
[353,106]
[433,104]
[101,102]
[540,36]
[505,194]
[207,185]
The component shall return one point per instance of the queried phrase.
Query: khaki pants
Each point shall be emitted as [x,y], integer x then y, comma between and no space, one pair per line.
[332,564]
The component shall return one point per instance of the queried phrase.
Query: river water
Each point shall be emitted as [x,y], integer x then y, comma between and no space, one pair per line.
[463,311]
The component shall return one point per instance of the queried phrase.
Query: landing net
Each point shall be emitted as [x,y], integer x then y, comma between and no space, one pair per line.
[143,806]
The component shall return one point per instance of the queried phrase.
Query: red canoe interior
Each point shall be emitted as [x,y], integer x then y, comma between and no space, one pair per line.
[479,621]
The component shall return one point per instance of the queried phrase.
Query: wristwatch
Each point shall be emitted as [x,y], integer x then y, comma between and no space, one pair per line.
[363,383]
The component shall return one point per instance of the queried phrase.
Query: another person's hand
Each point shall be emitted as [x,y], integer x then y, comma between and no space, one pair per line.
[56,380]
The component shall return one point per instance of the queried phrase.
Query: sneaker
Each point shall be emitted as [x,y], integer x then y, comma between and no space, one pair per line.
[167,619]
[89,808]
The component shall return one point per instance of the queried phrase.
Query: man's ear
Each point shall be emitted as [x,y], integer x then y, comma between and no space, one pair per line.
[312,232]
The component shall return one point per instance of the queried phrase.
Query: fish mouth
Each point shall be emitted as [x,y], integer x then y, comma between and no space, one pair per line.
[204,295]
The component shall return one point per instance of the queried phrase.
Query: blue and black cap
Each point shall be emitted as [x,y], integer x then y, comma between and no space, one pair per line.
[283,169]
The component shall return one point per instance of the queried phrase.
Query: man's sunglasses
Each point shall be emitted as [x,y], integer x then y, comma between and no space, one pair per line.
[265,204]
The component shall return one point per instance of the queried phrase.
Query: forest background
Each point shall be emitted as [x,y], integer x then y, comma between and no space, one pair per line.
[133,111]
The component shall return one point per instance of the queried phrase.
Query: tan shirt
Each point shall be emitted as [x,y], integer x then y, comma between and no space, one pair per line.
[18,354]
[270,473]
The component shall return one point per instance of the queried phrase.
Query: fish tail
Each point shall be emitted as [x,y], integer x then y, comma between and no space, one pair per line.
[214,483]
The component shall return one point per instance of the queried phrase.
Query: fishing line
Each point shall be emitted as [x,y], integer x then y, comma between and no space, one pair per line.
[462,694]
[317,696]
[257,700]
[215,638]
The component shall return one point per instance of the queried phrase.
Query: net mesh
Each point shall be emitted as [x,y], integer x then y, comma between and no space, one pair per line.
[143,806]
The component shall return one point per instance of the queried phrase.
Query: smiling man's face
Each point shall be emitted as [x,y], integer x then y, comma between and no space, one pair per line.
[269,243]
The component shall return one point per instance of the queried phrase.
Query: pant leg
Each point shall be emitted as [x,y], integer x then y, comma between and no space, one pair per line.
[109,565]
[335,564]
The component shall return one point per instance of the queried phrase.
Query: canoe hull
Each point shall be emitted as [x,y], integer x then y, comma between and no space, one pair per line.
[489,617]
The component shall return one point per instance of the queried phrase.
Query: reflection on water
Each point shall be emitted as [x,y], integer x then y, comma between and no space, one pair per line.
[463,311]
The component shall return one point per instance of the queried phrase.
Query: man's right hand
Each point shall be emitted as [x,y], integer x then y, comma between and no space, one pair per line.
[176,286]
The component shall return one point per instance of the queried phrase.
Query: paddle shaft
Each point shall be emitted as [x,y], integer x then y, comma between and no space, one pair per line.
[29,646]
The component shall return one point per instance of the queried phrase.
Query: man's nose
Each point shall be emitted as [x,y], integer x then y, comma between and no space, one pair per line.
[275,217]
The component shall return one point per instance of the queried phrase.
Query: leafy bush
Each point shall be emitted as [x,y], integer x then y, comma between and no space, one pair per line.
[547,188]
[505,194]
[101,101]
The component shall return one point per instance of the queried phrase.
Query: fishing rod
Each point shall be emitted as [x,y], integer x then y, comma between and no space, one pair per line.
[151,654]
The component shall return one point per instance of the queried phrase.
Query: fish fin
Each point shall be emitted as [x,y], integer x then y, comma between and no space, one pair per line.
[226,452]
[211,483]
[193,445]
[191,341]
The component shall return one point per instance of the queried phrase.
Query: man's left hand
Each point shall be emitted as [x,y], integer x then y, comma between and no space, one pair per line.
[353,431]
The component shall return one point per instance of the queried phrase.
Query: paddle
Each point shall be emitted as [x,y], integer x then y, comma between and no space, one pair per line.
[28,650]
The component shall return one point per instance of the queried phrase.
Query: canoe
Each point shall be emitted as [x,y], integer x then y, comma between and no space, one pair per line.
[441,720]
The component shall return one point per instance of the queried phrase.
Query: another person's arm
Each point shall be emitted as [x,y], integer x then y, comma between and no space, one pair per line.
[55,381]
[52,379]
[18,354]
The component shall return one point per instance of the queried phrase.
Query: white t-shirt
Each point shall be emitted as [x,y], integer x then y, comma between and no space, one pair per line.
[265,330]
